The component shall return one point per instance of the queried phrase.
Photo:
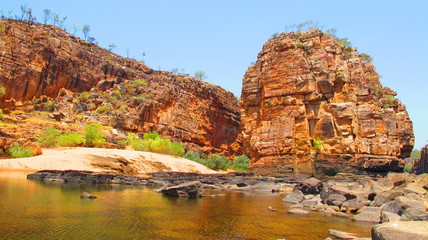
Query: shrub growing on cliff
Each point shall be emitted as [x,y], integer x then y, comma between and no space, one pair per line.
[240,163]
[70,140]
[153,143]
[217,162]
[17,151]
[317,144]
[49,137]
[84,96]
[94,136]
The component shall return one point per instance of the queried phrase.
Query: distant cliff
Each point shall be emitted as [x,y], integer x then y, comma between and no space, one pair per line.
[37,59]
[420,166]
[312,105]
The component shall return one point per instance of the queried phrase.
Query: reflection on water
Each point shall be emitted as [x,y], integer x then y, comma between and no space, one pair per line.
[36,210]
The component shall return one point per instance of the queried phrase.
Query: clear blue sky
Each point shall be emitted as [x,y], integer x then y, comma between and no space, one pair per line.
[222,37]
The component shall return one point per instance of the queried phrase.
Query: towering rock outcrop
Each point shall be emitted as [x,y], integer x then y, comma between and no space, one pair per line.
[421,165]
[310,104]
[37,59]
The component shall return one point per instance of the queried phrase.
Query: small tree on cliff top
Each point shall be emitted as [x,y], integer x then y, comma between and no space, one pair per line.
[86,29]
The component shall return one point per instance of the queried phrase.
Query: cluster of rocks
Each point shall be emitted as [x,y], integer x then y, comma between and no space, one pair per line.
[397,197]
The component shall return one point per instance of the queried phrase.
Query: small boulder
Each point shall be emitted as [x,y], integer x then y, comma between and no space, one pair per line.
[353,204]
[400,204]
[87,195]
[187,190]
[368,214]
[297,211]
[337,235]
[415,230]
[310,186]
[390,217]
[336,200]
[413,214]
[295,197]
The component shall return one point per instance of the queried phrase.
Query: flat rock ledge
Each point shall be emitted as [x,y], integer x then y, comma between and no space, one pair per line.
[231,181]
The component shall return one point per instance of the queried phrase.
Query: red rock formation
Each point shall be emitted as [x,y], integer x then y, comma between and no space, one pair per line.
[37,59]
[305,87]
[420,166]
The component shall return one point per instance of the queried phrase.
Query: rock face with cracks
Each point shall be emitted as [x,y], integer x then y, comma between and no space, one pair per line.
[37,59]
[311,105]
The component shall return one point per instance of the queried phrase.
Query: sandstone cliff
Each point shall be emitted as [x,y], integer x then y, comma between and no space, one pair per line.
[310,104]
[39,60]
[420,166]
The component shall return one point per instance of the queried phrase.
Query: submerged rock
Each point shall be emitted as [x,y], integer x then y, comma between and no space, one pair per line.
[187,190]
[295,197]
[87,195]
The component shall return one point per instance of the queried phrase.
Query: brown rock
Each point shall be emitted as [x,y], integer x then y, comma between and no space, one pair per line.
[43,62]
[305,86]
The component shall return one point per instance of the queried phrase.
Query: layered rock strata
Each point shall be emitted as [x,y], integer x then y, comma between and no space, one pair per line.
[421,165]
[37,59]
[312,105]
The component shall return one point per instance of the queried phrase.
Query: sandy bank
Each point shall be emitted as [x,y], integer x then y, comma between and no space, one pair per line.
[102,160]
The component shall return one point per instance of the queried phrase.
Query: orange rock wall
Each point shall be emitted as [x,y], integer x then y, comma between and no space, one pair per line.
[37,59]
[306,86]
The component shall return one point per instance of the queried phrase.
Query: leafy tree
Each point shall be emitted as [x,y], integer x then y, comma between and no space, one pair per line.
[416,154]
[94,136]
[201,75]
[46,15]
[75,29]
[217,162]
[112,47]
[86,29]
[240,163]
[366,57]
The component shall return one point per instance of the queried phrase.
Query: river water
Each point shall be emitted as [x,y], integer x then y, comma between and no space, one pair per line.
[36,210]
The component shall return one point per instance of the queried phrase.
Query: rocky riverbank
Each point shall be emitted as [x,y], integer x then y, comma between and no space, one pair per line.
[396,200]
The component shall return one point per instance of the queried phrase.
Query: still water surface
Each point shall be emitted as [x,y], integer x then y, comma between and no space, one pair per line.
[36,210]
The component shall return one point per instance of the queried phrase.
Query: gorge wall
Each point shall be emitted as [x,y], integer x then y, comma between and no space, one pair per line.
[38,59]
[420,166]
[312,105]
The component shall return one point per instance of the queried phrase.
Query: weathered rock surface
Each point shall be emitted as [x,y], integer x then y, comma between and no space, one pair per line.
[295,197]
[37,59]
[421,165]
[87,195]
[305,87]
[415,230]
[187,190]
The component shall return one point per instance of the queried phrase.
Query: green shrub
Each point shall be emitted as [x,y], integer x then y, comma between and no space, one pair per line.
[415,154]
[2,91]
[94,136]
[103,109]
[408,168]
[84,96]
[140,82]
[176,149]
[317,144]
[1,113]
[49,104]
[16,151]
[195,157]
[49,137]
[366,57]
[389,101]
[70,140]
[240,163]
[151,135]
[136,143]
[217,162]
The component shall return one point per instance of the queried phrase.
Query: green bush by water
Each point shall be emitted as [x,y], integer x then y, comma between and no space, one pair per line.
[70,140]
[240,163]
[217,162]
[94,136]
[151,142]
[17,151]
